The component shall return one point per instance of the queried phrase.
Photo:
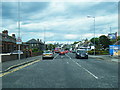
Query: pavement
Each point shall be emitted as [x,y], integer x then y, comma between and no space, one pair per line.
[6,66]
[106,57]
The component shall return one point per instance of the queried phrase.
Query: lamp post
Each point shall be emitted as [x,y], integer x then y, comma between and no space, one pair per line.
[94,30]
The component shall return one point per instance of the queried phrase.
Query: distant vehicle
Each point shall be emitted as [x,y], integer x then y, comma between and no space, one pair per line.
[66,51]
[62,52]
[57,50]
[81,53]
[48,54]
[16,52]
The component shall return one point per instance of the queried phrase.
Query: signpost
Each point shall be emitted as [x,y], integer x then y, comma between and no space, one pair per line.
[19,41]
[114,49]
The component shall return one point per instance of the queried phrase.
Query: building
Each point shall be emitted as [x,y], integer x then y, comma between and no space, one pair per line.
[36,44]
[8,43]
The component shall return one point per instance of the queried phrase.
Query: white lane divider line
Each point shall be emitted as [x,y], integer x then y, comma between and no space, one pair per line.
[62,56]
[68,56]
[86,70]
[55,56]
[67,62]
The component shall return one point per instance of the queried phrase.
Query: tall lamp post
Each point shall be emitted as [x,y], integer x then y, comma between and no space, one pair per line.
[94,30]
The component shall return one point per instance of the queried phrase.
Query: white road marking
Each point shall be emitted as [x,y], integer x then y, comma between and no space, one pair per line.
[67,62]
[55,56]
[86,70]
[68,56]
[62,56]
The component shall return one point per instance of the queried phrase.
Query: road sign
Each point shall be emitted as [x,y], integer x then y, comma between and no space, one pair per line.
[19,41]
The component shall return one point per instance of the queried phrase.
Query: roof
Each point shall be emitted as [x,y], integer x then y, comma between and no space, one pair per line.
[34,41]
[7,38]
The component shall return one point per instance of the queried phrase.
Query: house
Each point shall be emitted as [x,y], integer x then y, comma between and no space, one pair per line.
[8,43]
[36,44]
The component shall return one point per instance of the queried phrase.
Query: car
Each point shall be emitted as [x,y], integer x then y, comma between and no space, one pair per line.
[48,54]
[66,51]
[81,54]
[62,52]
[56,51]
[16,52]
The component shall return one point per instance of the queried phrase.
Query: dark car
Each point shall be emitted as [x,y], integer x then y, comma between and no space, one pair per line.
[81,54]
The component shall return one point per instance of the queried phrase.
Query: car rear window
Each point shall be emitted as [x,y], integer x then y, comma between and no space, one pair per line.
[81,51]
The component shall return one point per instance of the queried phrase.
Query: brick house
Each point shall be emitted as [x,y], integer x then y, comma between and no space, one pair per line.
[8,43]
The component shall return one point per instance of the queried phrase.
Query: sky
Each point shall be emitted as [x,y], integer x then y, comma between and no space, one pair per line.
[63,22]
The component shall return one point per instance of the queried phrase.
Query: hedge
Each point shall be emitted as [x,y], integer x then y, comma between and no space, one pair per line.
[98,52]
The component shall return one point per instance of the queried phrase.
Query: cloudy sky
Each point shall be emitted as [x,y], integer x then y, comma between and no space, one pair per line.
[60,21]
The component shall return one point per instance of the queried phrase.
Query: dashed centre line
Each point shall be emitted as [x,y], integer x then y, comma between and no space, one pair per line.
[55,56]
[86,70]
[68,56]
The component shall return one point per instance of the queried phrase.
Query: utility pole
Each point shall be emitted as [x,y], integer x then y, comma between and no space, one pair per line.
[110,29]
[19,41]
[94,30]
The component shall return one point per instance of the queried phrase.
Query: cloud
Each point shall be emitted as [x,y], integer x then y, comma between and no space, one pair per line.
[61,21]
[71,36]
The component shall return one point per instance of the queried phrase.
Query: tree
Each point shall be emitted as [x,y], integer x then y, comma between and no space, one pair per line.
[104,41]
[76,42]
[96,41]
[118,38]
[50,46]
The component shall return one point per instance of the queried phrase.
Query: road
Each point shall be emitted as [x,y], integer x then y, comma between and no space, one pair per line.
[64,71]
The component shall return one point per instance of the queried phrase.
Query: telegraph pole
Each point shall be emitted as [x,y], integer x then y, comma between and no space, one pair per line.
[19,41]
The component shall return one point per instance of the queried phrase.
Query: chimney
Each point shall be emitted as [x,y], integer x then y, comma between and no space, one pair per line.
[5,32]
[13,35]
[38,40]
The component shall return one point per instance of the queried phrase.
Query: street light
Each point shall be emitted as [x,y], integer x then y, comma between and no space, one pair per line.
[94,30]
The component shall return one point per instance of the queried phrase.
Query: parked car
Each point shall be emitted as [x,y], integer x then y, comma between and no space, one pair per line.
[16,52]
[62,52]
[81,54]
[48,54]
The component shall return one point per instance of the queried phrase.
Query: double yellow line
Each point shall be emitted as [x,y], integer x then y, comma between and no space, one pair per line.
[16,69]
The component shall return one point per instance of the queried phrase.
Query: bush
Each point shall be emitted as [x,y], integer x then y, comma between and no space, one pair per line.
[35,50]
[103,52]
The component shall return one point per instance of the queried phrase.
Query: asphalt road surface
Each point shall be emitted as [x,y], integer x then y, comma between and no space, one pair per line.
[64,71]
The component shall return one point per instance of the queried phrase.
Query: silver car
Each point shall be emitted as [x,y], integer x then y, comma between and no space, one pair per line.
[48,54]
